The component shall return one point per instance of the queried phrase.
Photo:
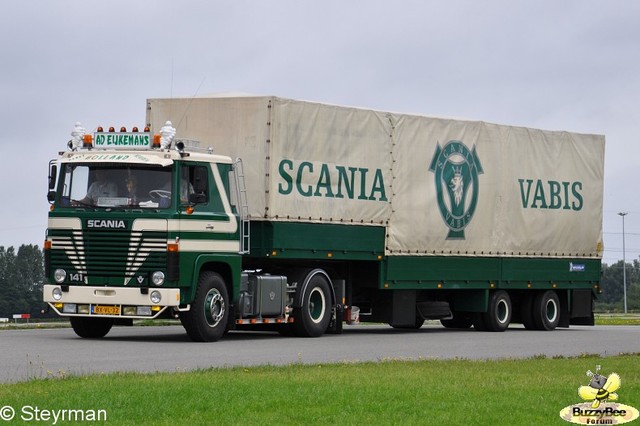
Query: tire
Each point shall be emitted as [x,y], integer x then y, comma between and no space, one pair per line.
[459,320]
[313,316]
[91,328]
[546,310]
[526,312]
[419,322]
[478,322]
[208,317]
[498,315]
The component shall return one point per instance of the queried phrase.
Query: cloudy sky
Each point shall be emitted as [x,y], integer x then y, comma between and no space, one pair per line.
[560,65]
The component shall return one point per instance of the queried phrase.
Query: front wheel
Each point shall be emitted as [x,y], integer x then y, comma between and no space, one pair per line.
[207,319]
[91,328]
[313,316]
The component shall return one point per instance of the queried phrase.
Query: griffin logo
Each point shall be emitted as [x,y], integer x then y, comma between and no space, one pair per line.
[456,170]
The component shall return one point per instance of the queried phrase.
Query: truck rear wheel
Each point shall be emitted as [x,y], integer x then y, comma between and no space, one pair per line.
[498,315]
[91,328]
[313,316]
[546,310]
[207,319]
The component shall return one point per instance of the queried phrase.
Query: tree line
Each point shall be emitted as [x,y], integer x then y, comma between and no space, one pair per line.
[611,299]
[22,277]
[21,280]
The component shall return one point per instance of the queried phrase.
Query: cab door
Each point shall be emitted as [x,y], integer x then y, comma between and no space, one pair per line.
[207,222]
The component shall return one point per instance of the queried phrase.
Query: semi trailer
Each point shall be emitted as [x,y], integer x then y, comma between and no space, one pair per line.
[259,212]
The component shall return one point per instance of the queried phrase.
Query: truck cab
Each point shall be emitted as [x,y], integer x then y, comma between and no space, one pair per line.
[130,222]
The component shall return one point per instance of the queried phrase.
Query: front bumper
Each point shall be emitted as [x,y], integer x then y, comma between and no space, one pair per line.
[110,302]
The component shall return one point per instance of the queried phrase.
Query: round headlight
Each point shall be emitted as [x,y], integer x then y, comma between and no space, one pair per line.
[158,278]
[155,297]
[60,275]
[56,293]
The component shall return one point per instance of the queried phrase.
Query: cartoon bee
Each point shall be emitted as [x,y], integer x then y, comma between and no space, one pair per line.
[600,388]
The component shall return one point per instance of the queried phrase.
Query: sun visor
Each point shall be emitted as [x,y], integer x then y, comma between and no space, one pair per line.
[151,158]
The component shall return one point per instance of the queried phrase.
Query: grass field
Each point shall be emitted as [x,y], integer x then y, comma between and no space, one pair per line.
[515,392]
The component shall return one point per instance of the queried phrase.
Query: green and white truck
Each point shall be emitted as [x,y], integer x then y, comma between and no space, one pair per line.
[276,214]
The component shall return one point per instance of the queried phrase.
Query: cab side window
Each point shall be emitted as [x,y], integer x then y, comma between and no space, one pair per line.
[194,185]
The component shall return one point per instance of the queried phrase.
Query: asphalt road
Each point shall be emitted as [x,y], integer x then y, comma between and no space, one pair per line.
[40,353]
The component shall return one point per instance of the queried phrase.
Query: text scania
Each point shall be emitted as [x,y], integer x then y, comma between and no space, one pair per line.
[110,224]
[331,182]
[551,194]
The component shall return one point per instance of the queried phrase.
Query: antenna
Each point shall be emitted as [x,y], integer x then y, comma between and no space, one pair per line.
[190,102]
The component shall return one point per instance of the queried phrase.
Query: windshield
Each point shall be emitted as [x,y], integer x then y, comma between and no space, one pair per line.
[122,185]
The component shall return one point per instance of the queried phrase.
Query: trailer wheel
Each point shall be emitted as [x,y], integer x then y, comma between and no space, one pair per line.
[459,320]
[546,310]
[91,328]
[313,316]
[419,322]
[526,312]
[207,319]
[478,322]
[498,315]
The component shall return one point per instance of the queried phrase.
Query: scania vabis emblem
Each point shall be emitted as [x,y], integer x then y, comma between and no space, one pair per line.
[456,176]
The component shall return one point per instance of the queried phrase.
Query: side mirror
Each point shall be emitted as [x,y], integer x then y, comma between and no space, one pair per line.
[200,180]
[51,196]
[53,172]
[197,198]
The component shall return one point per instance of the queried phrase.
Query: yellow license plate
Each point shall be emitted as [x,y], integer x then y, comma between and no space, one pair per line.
[106,310]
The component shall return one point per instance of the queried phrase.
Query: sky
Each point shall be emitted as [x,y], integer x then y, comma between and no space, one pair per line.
[559,65]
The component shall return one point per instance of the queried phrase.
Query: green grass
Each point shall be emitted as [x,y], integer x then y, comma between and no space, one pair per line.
[531,391]
[617,319]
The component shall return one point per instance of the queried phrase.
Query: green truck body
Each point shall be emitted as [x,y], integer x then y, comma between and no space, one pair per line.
[332,215]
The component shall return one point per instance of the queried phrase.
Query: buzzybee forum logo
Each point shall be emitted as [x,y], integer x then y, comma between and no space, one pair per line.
[456,171]
[601,407]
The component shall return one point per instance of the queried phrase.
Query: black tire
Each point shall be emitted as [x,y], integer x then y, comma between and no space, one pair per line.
[91,328]
[459,320]
[419,322]
[208,317]
[313,316]
[498,315]
[526,312]
[478,322]
[546,310]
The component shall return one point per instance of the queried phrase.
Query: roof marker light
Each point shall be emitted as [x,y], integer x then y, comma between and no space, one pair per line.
[112,129]
[134,130]
[123,129]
